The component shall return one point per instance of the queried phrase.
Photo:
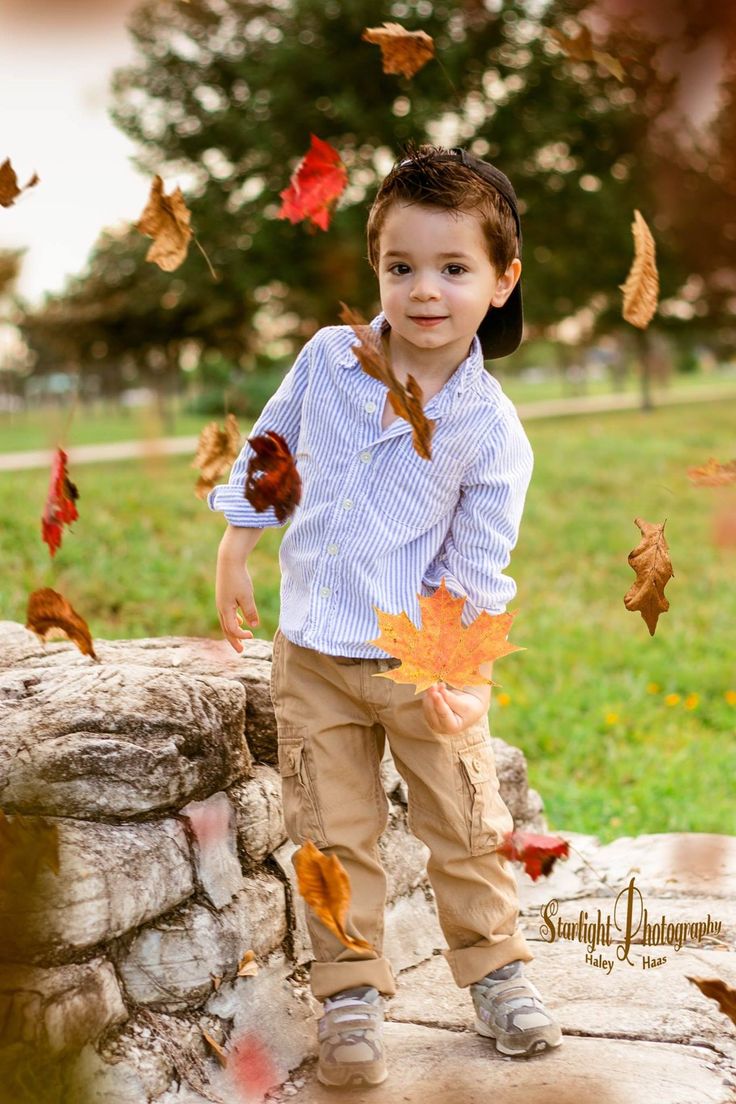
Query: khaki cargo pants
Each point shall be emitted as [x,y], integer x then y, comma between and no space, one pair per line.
[333,719]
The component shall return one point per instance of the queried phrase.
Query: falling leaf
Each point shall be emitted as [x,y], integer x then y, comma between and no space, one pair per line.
[216,450]
[281,485]
[316,185]
[216,981]
[252,1068]
[324,884]
[48,611]
[9,190]
[219,1052]
[248,967]
[443,650]
[538,853]
[718,991]
[580,48]
[402,51]
[59,508]
[651,562]
[642,283]
[713,474]
[166,220]
[406,402]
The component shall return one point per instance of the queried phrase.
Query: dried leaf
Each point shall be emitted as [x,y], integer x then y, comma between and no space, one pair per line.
[217,449]
[651,562]
[538,853]
[719,991]
[443,650]
[316,184]
[402,51]
[713,474]
[48,611]
[219,1052]
[9,190]
[59,508]
[324,884]
[248,967]
[281,485]
[642,283]
[166,220]
[216,981]
[580,48]
[406,402]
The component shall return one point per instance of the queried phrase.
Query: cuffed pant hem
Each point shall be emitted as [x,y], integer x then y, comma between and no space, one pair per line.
[327,978]
[469,964]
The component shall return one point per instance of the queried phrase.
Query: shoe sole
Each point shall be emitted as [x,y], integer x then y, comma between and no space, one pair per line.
[553,1038]
[348,1076]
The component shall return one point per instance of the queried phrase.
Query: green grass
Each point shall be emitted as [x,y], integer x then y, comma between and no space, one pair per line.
[140,561]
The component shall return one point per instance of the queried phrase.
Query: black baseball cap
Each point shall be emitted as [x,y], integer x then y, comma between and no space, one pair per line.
[501,330]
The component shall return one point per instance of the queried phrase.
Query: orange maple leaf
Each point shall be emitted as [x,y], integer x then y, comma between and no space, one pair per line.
[325,885]
[402,51]
[49,613]
[713,474]
[651,562]
[59,508]
[538,853]
[717,989]
[216,450]
[406,401]
[9,190]
[316,184]
[280,486]
[442,650]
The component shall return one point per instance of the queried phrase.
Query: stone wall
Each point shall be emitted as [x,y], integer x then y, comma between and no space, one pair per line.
[157,765]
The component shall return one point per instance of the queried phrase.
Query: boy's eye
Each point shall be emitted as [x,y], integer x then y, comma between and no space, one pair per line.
[401,265]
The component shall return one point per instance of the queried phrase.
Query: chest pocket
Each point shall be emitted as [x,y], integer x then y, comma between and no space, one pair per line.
[415,493]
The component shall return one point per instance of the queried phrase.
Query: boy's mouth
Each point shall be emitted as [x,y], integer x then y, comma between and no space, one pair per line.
[427,320]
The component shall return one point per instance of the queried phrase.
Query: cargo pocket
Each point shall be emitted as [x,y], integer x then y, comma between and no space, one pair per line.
[302,818]
[486,816]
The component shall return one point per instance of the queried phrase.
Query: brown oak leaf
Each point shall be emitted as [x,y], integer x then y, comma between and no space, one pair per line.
[443,650]
[59,508]
[406,402]
[537,853]
[280,486]
[651,562]
[9,190]
[402,51]
[580,48]
[166,219]
[719,991]
[216,450]
[316,184]
[642,283]
[49,614]
[325,885]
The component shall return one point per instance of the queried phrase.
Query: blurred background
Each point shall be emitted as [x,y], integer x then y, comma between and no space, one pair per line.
[624,732]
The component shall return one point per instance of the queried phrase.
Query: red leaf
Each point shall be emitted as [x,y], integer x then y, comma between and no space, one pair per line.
[281,485]
[59,509]
[537,853]
[318,181]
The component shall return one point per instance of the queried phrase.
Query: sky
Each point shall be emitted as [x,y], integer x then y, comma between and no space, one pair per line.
[53,114]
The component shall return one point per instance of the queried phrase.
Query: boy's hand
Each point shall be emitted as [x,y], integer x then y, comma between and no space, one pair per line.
[449,711]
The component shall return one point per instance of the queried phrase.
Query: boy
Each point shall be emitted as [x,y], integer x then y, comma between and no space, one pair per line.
[377,525]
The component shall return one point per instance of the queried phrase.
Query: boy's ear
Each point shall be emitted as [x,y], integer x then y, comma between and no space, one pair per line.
[506,283]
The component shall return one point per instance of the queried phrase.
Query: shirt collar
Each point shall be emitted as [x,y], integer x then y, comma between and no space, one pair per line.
[462,378]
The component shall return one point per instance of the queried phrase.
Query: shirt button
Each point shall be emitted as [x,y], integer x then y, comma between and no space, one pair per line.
[365,457]
[332,549]
[347,504]
[325,592]
[370,406]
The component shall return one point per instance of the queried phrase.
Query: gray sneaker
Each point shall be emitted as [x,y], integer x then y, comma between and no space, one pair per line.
[509,1009]
[350,1045]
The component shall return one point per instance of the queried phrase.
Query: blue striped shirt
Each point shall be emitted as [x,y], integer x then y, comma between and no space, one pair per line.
[377,524]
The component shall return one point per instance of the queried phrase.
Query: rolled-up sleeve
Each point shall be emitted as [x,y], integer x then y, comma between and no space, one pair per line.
[485,527]
[281,413]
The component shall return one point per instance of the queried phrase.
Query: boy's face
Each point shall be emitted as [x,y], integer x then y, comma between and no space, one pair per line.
[458,288]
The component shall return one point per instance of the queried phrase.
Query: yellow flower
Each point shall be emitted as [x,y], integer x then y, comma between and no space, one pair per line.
[672,699]
[691,701]
[730,696]
[653,688]
[503,698]
[611,718]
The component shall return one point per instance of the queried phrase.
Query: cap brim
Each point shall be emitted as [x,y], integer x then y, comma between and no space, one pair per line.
[501,330]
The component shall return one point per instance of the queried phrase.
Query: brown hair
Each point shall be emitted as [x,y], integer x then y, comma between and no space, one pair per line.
[434,177]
